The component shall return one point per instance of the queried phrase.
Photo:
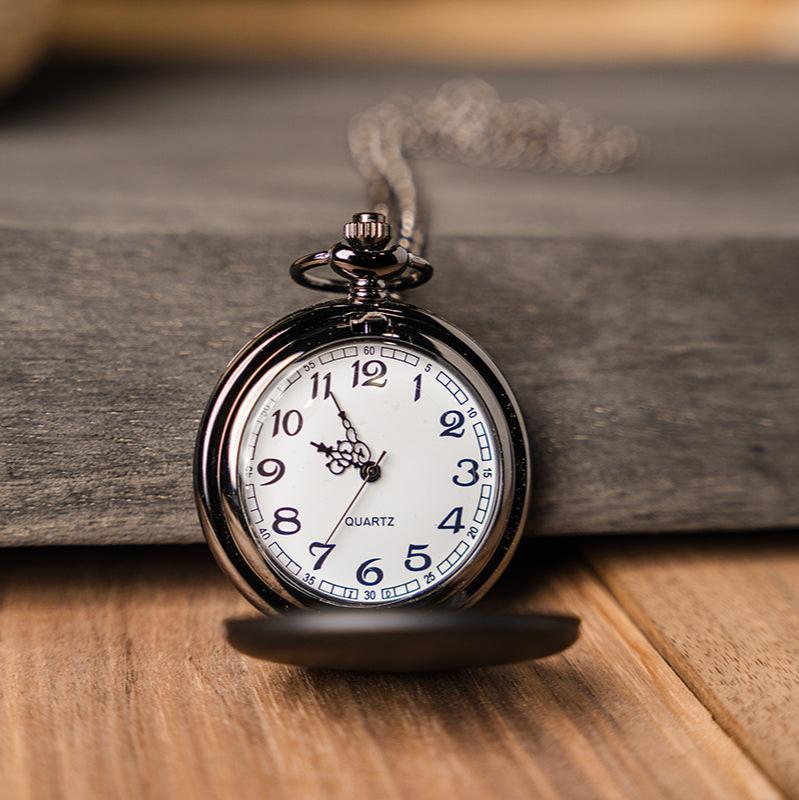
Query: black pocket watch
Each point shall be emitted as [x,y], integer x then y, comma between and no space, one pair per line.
[364,455]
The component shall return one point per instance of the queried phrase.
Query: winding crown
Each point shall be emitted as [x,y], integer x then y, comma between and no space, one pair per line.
[368,231]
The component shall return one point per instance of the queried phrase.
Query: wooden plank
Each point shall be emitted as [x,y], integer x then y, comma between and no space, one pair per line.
[25,30]
[466,31]
[724,613]
[659,380]
[250,150]
[117,683]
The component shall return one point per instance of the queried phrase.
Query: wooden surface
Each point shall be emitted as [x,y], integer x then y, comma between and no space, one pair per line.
[650,405]
[26,27]
[504,31]
[117,683]
[648,322]
[739,653]
[253,151]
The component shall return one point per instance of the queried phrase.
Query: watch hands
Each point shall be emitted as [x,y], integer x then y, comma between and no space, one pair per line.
[351,452]
[370,472]
[349,428]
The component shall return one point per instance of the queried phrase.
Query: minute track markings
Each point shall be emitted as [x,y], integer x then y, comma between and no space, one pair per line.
[426,464]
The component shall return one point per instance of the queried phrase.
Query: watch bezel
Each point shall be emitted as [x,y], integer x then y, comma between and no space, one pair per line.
[294,338]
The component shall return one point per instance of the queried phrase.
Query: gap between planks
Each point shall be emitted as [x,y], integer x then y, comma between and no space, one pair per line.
[723,612]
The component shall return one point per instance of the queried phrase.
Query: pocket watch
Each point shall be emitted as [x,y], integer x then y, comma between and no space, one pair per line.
[365,453]
[362,452]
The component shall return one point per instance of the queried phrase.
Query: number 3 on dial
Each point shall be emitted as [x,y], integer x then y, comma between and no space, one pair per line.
[471,469]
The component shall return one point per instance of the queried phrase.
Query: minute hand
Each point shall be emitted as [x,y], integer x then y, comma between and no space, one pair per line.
[361,450]
[349,428]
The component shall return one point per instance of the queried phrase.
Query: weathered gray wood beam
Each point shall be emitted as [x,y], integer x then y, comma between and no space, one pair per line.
[660,380]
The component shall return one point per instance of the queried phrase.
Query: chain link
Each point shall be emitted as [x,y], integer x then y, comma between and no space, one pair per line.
[467,122]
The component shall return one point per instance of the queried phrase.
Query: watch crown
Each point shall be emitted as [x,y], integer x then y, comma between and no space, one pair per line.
[368,231]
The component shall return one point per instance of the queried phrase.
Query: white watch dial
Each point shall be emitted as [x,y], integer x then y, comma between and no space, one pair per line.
[369,472]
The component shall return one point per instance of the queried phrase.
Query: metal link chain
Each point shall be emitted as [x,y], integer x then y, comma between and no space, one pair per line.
[467,122]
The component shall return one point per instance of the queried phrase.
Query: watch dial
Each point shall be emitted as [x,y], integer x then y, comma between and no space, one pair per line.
[369,472]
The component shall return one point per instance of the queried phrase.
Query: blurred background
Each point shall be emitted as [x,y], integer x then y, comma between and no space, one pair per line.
[168,114]
[510,32]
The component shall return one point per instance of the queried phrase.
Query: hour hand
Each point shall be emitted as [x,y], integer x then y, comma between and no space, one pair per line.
[335,464]
[344,454]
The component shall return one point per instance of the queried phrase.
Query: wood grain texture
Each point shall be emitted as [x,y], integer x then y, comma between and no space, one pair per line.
[659,381]
[150,215]
[249,150]
[724,613]
[117,683]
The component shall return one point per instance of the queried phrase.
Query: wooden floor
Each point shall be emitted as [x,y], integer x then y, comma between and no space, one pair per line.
[117,683]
